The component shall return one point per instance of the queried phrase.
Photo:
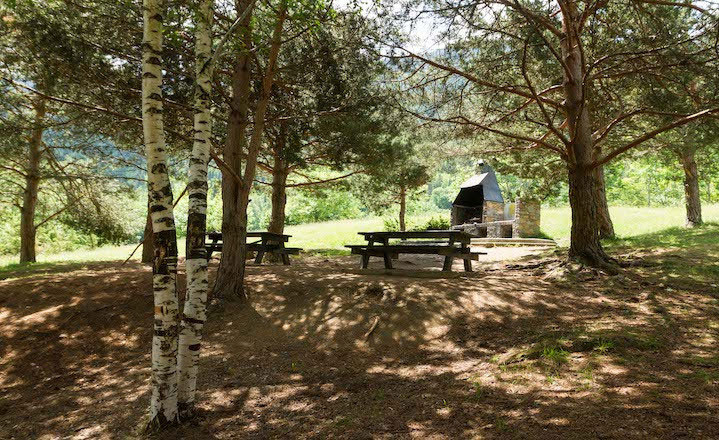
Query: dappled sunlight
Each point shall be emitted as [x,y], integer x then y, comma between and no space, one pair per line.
[491,354]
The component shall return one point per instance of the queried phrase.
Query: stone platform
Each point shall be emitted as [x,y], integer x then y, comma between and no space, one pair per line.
[534,242]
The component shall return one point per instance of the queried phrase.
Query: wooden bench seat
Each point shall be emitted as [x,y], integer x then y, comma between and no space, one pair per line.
[268,242]
[392,252]
[257,246]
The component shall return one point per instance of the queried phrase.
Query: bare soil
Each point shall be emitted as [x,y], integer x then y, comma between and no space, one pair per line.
[513,350]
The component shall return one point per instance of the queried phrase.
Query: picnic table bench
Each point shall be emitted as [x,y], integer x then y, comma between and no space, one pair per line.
[450,244]
[269,242]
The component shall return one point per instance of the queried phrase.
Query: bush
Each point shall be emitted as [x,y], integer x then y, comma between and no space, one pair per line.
[320,206]
[392,224]
[438,222]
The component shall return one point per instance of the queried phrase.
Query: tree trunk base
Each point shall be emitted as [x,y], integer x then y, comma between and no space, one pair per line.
[230,290]
[692,224]
[159,423]
[187,410]
[596,258]
[607,234]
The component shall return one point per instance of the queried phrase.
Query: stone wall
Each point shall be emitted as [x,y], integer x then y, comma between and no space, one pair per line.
[493,211]
[526,218]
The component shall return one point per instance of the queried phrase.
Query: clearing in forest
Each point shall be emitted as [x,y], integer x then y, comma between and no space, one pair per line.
[522,350]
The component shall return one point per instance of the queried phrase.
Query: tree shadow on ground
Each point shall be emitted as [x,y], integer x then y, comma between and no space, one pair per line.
[457,358]
[681,257]
[501,354]
[679,237]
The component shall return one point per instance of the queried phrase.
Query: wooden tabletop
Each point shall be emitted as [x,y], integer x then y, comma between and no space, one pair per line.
[261,234]
[459,236]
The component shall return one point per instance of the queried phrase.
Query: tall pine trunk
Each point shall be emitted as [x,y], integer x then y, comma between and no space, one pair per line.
[279,185]
[231,272]
[606,226]
[584,242]
[163,403]
[279,197]
[692,198]
[402,209]
[32,183]
[195,309]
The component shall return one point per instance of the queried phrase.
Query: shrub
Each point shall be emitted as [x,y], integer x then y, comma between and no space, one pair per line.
[438,222]
[392,224]
[331,204]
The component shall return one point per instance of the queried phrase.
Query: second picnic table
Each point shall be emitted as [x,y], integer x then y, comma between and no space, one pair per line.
[269,242]
[450,244]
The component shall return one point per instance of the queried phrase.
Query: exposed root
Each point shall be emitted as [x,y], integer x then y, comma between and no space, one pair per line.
[158,424]
[596,258]
[187,411]
[372,328]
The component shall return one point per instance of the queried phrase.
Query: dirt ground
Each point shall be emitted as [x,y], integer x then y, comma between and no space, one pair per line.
[513,350]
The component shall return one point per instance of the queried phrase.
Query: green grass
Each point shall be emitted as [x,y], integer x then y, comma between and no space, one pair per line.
[334,235]
[105,253]
[629,222]
[635,227]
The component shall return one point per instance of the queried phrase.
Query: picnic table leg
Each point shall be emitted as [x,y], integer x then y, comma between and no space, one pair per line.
[364,261]
[468,265]
[386,255]
[261,251]
[387,260]
[448,260]
[280,251]
[211,249]
[467,261]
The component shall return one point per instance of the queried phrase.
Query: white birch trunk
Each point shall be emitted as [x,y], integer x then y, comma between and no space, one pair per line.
[163,403]
[194,313]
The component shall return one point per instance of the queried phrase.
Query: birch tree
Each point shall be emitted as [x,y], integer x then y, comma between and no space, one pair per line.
[163,403]
[194,313]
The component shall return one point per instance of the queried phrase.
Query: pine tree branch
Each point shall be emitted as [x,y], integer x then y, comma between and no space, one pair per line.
[652,134]
[58,212]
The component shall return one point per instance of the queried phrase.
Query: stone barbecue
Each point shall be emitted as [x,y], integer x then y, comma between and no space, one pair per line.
[479,198]
[480,210]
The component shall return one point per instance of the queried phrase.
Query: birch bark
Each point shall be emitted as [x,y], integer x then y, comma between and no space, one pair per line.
[194,313]
[163,403]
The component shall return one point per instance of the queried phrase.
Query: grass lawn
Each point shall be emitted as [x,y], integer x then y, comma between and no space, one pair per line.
[628,221]
[636,227]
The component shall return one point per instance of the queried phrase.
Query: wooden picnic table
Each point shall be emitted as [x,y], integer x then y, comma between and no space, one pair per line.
[451,244]
[269,242]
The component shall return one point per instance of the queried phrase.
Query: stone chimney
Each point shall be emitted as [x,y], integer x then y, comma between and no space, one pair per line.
[526,217]
[483,166]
